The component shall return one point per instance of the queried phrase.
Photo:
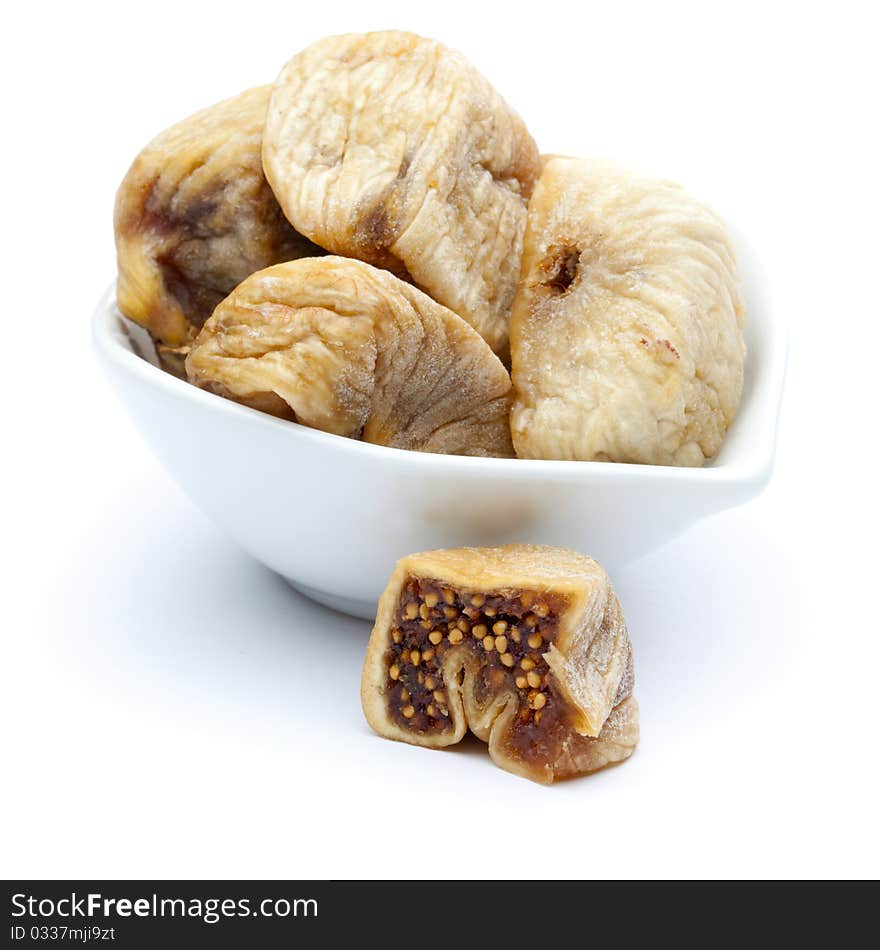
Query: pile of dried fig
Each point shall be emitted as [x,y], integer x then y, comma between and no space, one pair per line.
[374,247]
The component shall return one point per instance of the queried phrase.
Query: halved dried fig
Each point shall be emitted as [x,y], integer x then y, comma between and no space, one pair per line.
[394,149]
[525,645]
[626,332]
[194,216]
[342,346]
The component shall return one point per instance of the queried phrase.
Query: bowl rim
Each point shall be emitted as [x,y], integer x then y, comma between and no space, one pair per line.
[753,464]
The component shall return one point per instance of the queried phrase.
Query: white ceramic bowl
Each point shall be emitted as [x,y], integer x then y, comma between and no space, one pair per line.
[332,515]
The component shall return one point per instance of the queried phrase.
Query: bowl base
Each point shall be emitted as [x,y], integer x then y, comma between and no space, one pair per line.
[362,609]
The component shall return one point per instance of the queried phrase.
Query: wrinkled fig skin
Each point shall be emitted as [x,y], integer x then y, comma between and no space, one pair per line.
[525,645]
[395,150]
[194,216]
[626,332]
[342,346]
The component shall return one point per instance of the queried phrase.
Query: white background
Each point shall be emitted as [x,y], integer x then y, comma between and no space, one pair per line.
[170,708]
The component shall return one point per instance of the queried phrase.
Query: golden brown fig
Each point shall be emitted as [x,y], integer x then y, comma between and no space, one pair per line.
[342,346]
[626,332]
[194,216]
[394,149]
[525,645]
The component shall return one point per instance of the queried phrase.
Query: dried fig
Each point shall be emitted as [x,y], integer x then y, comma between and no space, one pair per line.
[626,332]
[395,150]
[525,645]
[342,346]
[194,216]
